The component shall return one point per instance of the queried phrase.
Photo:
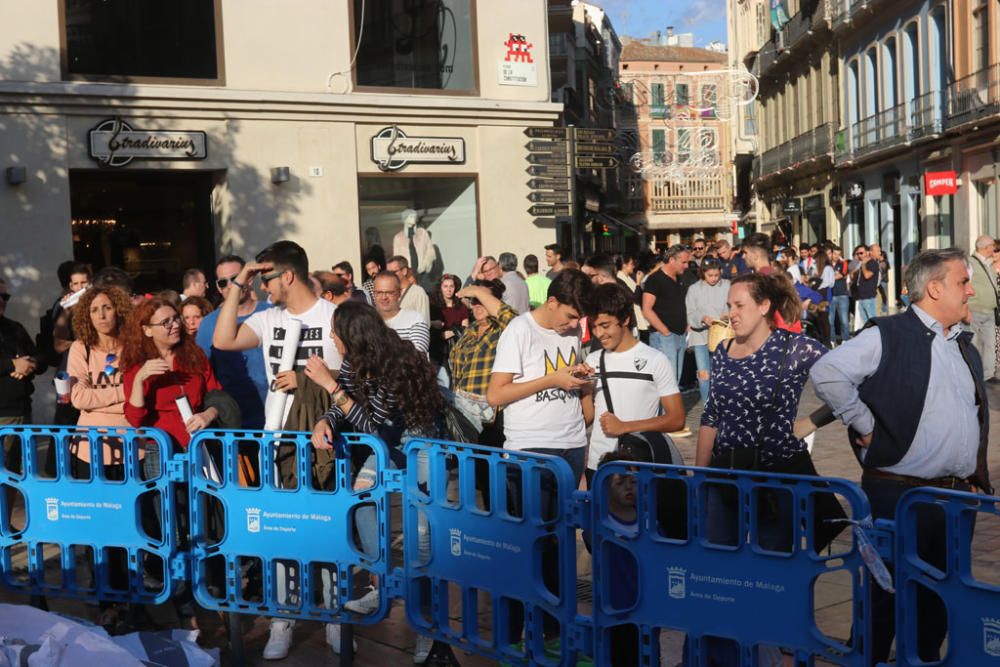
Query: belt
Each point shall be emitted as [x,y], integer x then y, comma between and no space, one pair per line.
[950,482]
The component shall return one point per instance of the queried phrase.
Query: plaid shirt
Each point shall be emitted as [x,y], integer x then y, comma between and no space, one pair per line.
[472,355]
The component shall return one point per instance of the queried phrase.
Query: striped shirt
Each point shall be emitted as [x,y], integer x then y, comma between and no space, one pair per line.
[411,326]
[366,418]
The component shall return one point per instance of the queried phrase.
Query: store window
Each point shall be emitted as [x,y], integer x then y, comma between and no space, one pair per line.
[942,227]
[143,38]
[986,201]
[433,222]
[424,45]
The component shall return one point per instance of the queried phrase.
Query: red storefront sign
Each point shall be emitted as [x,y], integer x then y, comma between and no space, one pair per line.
[938,183]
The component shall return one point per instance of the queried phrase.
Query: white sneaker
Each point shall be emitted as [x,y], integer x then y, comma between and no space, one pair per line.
[423,649]
[280,640]
[366,604]
[333,637]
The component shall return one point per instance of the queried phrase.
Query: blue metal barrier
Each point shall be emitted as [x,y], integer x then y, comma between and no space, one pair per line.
[702,558]
[93,523]
[465,555]
[973,606]
[259,548]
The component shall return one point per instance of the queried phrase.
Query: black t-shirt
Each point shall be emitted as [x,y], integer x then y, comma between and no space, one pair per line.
[868,286]
[670,294]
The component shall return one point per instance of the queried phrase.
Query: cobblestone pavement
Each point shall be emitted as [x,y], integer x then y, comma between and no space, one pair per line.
[391,642]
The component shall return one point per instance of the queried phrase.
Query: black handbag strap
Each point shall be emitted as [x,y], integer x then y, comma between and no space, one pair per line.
[604,384]
[993,283]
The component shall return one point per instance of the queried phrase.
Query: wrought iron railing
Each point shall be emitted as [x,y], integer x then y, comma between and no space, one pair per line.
[974,96]
[927,114]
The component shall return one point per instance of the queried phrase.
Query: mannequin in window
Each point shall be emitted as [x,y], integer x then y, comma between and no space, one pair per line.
[414,243]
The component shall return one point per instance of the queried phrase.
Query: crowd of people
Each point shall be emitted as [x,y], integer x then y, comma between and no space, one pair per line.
[584,362]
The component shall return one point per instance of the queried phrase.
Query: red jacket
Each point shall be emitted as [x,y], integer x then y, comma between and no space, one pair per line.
[161,392]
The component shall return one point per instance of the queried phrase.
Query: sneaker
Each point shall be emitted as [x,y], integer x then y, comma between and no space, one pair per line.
[280,640]
[683,433]
[366,604]
[333,637]
[423,649]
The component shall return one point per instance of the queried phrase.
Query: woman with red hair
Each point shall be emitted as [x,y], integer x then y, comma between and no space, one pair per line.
[162,364]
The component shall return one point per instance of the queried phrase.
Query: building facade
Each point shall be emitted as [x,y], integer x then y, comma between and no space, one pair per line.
[680,182]
[899,130]
[158,137]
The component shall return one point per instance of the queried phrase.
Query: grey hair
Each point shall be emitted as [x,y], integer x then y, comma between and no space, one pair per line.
[508,261]
[930,265]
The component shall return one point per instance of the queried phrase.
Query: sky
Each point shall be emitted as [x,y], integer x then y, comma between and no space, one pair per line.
[642,18]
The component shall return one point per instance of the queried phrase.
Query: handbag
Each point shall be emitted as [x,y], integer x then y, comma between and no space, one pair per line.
[643,446]
[721,330]
[829,517]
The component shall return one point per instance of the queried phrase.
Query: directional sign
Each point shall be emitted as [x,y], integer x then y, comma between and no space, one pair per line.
[598,162]
[546,158]
[560,169]
[546,210]
[601,149]
[549,184]
[546,146]
[591,134]
[549,197]
[545,132]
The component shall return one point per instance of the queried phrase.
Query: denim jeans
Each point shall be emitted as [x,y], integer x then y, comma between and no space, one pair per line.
[673,345]
[840,325]
[703,360]
[866,309]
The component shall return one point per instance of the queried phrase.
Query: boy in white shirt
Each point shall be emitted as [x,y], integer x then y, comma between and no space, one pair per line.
[640,379]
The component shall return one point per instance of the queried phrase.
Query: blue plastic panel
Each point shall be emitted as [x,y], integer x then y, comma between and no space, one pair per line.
[285,551]
[488,559]
[973,605]
[729,589]
[80,519]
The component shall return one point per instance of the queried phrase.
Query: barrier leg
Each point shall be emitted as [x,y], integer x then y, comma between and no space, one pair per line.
[347,645]
[234,628]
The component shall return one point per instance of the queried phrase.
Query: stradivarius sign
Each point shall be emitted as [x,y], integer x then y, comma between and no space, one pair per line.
[392,149]
[115,143]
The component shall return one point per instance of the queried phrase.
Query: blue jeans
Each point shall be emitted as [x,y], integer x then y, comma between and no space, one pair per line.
[840,326]
[866,308]
[672,345]
[703,360]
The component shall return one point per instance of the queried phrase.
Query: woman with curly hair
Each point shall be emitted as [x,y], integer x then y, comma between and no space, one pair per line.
[386,387]
[163,363]
[94,363]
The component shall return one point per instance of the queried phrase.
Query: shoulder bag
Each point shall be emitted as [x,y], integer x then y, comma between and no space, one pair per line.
[993,283]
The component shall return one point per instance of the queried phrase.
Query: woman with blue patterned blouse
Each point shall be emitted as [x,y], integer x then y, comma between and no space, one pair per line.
[757,380]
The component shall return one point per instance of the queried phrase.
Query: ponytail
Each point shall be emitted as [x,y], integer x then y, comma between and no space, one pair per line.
[777,288]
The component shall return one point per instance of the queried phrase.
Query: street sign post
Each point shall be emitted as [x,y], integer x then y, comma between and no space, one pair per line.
[546,146]
[549,210]
[552,170]
[596,162]
[603,149]
[549,184]
[593,134]
[546,132]
[560,197]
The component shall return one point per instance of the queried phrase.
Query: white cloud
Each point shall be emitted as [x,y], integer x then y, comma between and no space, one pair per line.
[700,11]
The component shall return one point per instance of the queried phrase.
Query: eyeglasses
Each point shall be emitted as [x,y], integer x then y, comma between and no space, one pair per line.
[222,283]
[386,293]
[5,297]
[109,368]
[168,323]
[266,278]
[698,247]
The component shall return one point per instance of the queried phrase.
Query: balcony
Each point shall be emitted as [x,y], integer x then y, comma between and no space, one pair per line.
[808,146]
[659,111]
[974,97]
[711,192]
[878,131]
[927,115]
[805,23]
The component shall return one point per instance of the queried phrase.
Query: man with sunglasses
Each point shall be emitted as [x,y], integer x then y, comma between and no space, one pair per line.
[241,373]
[18,367]
[283,270]
[698,250]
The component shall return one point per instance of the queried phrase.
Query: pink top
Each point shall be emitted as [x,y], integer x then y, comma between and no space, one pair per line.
[102,403]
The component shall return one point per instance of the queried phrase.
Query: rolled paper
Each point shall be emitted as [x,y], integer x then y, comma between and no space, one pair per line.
[274,417]
[70,302]
[184,407]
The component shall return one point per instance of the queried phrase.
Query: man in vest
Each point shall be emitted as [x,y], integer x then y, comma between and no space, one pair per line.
[910,389]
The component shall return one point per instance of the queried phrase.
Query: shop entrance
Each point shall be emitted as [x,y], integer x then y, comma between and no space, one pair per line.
[153,224]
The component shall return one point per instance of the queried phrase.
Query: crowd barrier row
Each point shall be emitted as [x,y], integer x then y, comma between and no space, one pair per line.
[258,523]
